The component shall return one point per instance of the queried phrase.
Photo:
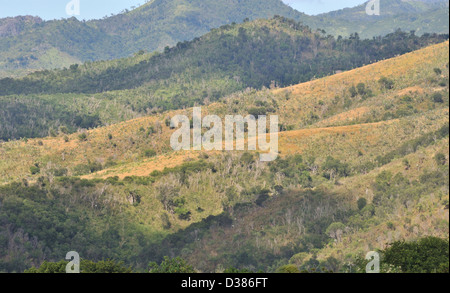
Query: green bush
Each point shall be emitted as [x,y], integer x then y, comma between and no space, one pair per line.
[437,98]
[361,87]
[353,91]
[149,153]
[440,159]
[82,137]
[35,170]
[386,83]
[427,255]
[288,269]
[86,267]
[362,202]
[171,266]
[166,221]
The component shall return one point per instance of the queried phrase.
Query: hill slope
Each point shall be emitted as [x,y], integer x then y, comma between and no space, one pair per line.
[386,144]
[28,43]
[257,54]
[419,16]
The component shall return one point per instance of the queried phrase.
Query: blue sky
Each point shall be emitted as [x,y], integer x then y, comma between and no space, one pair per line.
[90,9]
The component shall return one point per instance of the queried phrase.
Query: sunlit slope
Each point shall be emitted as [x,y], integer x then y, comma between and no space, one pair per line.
[122,147]
[329,100]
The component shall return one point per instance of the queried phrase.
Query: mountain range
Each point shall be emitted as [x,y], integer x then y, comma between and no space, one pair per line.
[87,164]
[363,163]
[28,43]
[263,53]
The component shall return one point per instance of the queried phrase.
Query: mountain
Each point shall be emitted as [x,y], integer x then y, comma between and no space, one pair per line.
[28,43]
[420,16]
[363,162]
[153,26]
[257,54]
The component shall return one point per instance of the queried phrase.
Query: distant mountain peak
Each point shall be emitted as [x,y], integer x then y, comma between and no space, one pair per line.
[13,26]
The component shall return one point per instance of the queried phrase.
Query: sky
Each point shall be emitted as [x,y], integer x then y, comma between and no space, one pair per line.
[94,9]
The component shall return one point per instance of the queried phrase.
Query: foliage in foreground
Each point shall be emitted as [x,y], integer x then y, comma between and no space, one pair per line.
[86,266]
[426,255]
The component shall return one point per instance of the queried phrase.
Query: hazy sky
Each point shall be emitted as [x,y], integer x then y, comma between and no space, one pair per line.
[90,9]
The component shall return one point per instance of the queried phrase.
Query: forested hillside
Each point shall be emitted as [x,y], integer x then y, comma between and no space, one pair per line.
[263,53]
[28,44]
[420,16]
[363,163]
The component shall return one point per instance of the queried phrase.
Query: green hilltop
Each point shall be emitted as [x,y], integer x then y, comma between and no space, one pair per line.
[28,43]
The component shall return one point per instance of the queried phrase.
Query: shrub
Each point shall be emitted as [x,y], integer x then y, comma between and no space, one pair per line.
[362,202]
[386,83]
[440,159]
[35,170]
[90,167]
[149,153]
[259,111]
[288,269]
[353,91]
[166,222]
[82,137]
[183,213]
[52,133]
[64,129]
[334,167]
[262,197]
[390,226]
[86,266]
[428,255]
[171,266]
[59,172]
[361,87]
[437,98]
[247,158]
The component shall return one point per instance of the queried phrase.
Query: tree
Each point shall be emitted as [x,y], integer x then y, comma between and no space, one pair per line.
[82,137]
[35,169]
[361,87]
[288,269]
[427,255]
[149,153]
[86,267]
[437,98]
[440,159]
[353,91]
[362,202]
[171,266]
[336,230]
[334,168]
[383,181]
[386,83]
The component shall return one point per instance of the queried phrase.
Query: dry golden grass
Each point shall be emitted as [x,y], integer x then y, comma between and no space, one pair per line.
[128,142]
[318,96]
[345,117]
